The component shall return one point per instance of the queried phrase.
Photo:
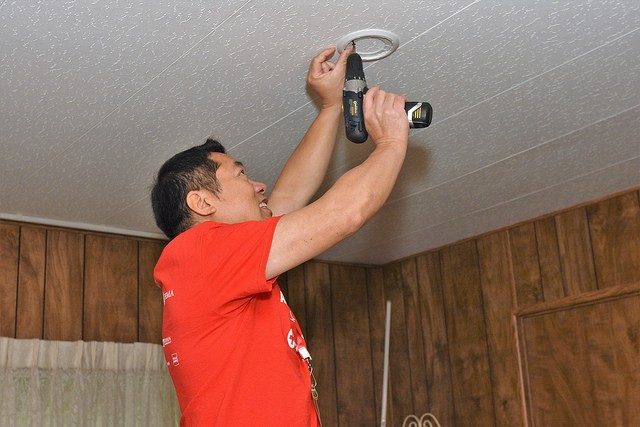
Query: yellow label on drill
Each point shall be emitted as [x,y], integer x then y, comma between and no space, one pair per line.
[417,113]
[354,107]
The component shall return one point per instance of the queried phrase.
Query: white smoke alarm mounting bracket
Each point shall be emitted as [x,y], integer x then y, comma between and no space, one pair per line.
[390,43]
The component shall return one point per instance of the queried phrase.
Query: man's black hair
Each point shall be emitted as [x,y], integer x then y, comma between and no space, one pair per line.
[187,171]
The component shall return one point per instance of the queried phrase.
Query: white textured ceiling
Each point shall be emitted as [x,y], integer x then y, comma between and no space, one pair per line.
[536,105]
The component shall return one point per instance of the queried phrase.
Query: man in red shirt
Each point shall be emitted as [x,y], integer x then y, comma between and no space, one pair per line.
[233,347]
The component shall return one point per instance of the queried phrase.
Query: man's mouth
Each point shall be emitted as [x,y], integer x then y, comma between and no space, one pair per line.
[263,204]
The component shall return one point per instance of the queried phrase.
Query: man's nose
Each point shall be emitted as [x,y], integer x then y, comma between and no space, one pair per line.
[259,187]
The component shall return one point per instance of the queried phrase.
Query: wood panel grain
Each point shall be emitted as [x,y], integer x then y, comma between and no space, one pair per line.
[111,289]
[625,350]
[149,294]
[320,337]
[297,295]
[470,372]
[499,304]
[614,358]
[559,384]
[585,298]
[414,336]
[354,376]
[615,236]
[64,286]
[401,393]
[525,264]
[9,250]
[575,251]
[549,259]
[434,333]
[31,272]
[376,303]
[582,359]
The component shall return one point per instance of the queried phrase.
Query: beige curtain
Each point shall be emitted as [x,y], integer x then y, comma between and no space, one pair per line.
[60,383]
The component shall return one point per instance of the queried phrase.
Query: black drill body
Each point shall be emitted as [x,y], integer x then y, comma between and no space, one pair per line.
[355,86]
[419,114]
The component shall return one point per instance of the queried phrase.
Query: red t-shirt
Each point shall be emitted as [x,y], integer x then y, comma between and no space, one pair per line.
[230,340]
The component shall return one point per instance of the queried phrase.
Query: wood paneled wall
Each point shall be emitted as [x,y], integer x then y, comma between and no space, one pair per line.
[454,349]
[581,356]
[59,284]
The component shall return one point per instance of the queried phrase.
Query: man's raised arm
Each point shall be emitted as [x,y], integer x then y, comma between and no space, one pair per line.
[305,170]
[354,198]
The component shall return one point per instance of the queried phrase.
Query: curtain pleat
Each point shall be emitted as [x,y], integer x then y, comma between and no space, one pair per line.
[61,383]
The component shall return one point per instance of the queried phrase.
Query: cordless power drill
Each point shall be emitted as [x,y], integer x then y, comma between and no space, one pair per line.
[355,86]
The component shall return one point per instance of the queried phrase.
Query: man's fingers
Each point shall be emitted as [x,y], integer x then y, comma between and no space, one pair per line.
[398,102]
[369,97]
[379,100]
[316,63]
[389,101]
[342,61]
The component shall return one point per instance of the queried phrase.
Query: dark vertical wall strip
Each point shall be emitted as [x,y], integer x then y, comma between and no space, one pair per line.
[31,274]
[282,283]
[399,364]
[414,336]
[296,296]
[9,250]
[319,332]
[525,264]
[549,259]
[472,391]
[435,341]
[111,303]
[352,342]
[496,280]
[575,251]
[149,294]
[64,286]
[377,305]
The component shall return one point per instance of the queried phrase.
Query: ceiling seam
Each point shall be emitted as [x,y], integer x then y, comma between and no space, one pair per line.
[73,143]
[616,38]
[438,24]
[613,40]
[367,67]
[309,102]
[549,141]
[392,201]
[368,249]
[436,123]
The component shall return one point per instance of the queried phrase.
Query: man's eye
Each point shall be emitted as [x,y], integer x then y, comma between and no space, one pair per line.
[242,172]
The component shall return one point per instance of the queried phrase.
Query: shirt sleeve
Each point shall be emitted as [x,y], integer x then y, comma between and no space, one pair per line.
[234,258]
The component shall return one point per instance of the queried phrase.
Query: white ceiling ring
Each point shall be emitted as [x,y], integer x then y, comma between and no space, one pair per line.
[390,43]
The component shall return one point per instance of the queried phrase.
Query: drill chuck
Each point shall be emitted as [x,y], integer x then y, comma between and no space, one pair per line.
[354,67]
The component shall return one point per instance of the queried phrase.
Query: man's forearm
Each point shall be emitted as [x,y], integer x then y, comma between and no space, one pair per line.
[306,168]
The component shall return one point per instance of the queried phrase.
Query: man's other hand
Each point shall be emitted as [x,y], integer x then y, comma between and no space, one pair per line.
[385,118]
[326,79]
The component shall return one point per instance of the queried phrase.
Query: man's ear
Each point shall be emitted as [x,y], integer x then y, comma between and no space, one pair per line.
[201,202]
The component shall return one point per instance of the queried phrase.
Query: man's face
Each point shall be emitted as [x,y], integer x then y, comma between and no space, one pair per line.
[240,199]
